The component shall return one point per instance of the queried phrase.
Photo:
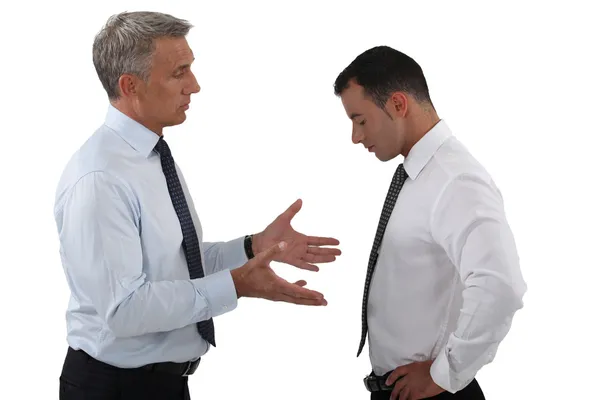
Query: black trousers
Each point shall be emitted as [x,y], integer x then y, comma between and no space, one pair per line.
[84,377]
[471,392]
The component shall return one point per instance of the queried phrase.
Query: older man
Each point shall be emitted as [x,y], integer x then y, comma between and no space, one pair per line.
[145,288]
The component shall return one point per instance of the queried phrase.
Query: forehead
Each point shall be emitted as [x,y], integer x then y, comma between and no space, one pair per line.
[172,53]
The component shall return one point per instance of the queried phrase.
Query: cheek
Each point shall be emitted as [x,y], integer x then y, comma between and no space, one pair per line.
[380,134]
[167,93]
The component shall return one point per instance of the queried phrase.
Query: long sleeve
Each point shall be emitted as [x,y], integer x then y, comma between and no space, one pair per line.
[100,242]
[220,256]
[470,224]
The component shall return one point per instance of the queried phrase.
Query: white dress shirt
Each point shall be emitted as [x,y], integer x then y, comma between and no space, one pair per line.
[447,282]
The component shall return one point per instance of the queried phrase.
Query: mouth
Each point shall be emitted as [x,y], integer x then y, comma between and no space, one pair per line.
[371,148]
[186,106]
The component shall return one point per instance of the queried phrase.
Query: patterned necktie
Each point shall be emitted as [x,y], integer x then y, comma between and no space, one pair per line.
[191,247]
[397,183]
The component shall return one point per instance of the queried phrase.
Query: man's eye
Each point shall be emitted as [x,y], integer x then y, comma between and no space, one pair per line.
[362,122]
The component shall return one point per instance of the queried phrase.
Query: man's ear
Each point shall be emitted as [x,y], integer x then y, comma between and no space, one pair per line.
[128,85]
[398,104]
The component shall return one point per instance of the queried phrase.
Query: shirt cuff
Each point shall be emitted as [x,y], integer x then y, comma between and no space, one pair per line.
[219,291]
[443,377]
[234,255]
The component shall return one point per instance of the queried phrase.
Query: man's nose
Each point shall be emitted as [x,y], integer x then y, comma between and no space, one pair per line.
[357,137]
[194,86]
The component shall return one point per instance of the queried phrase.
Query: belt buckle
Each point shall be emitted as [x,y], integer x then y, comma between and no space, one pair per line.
[371,383]
[187,369]
[191,367]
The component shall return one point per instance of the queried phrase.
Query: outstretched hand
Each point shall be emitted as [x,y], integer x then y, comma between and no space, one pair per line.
[257,279]
[302,251]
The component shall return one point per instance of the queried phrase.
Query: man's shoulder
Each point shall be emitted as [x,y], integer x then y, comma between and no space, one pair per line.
[103,153]
[453,159]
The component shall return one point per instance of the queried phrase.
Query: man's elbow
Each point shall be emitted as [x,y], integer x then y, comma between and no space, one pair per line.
[120,327]
[123,322]
[519,289]
[512,294]
[504,293]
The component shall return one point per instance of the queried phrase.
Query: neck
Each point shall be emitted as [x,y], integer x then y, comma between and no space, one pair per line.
[419,126]
[129,110]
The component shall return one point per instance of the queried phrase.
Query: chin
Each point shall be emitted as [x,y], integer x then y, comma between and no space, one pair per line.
[178,119]
[385,157]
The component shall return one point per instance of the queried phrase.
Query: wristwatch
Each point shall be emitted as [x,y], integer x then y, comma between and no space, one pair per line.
[248,246]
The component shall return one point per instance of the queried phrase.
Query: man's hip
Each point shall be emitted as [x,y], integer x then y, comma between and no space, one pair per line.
[380,391]
[83,376]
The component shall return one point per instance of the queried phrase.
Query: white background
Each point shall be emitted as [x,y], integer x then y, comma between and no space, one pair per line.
[517,83]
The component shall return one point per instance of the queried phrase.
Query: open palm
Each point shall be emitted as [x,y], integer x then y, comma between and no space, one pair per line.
[302,251]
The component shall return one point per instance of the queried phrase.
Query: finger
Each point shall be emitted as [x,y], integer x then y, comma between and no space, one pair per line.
[399,389]
[269,254]
[405,394]
[306,302]
[284,287]
[300,283]
[304,265]
[300,292]
[292,210]
[318,259]
[323,251]
[322,241]
[396,374]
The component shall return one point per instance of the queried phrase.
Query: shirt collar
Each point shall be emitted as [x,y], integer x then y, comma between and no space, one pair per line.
[425,148]
[135,134]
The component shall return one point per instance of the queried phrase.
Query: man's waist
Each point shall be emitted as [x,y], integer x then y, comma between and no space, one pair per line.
[176,368]
[383,362]
[376,383]
[390,345]
[136,352]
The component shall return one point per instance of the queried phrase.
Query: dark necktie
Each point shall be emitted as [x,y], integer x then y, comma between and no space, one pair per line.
[397,183]
[191,247]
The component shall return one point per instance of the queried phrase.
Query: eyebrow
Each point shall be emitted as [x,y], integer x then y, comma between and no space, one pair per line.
[354,115]
[184,66]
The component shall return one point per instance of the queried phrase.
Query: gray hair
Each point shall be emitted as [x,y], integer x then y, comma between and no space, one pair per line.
[125,45]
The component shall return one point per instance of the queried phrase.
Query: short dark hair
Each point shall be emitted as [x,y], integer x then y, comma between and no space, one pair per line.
[383,70]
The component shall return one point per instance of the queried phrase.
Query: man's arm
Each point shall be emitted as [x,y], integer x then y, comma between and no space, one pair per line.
[219,256]
[253,278]
[469,223]
[101,243]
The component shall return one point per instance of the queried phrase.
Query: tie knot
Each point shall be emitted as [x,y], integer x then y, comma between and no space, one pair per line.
[162,147]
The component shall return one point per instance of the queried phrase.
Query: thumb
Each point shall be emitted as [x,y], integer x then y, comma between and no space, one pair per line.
[270,253]
[292,210]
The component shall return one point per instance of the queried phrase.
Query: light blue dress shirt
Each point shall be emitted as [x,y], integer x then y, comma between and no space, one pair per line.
[132,301]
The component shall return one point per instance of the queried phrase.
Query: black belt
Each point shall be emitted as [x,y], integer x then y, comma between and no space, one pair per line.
[375,383]
[182,369]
